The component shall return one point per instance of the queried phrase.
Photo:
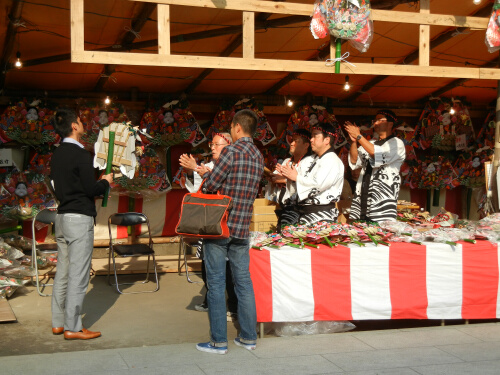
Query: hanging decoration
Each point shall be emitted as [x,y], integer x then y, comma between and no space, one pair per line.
[23,195]
[444,125]
[492,38]
[28,123]
[470,167]
[434,172]
[405,133]
[171,124]
[486,136]
[306,117]
[343,19]
[95,118]
[149,179]
[223,119]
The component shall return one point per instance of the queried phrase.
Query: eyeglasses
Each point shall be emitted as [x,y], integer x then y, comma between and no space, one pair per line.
[216,144]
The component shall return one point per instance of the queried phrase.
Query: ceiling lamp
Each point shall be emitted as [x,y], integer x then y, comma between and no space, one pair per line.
[18,64]
[289,103]
[476,2]
[107,100]
[347,86]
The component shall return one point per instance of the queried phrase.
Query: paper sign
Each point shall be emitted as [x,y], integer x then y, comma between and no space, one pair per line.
[460,142]
[6,157]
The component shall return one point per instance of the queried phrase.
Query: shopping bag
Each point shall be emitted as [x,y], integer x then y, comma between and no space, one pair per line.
[204,215]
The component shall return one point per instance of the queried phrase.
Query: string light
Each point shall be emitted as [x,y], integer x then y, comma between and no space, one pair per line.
[18,64]
[347,86]
[107,100]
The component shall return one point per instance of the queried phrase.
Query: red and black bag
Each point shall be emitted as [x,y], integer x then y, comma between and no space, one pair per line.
[204,215]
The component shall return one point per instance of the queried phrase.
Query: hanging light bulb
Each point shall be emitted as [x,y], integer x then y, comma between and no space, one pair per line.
[18,64]
[452,110]
[289,103]
[347,86]
[107,100]
[476,2]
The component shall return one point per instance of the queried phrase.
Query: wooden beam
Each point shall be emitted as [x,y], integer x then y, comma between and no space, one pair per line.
[136,25]
[262,17]
[307,9]
[10,37]
[425,34]
[248,35]
[163,29]
[235,44]
[444,37]
[186,61]
[199,35]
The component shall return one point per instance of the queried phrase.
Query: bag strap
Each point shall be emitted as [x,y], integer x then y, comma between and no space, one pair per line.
[201,186]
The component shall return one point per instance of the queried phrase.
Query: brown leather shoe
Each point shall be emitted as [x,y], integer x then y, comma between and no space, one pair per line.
[84,334]
[57,330]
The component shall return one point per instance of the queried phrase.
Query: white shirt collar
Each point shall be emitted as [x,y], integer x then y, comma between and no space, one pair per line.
[71,140]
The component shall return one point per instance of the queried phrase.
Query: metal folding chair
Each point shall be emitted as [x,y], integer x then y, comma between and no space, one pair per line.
[182,255]
[46,216]
[131,250]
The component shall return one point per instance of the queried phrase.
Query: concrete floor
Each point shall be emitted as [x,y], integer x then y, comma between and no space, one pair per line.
[133,320]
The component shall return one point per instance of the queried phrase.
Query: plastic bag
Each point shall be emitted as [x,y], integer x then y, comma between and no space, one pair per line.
[345,19]
[9,252]
[17,241]
[492,38]
[7,291]
[311,328]
[18,272]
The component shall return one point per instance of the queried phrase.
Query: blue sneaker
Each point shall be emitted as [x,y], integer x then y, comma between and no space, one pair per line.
[238,342]
[209,348]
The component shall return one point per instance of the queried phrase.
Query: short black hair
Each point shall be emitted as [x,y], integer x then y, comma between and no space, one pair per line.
[329,130]
[62,121]
[248,121]
[304,133]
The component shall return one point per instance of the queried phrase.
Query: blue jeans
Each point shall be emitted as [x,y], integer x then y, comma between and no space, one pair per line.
[237,251]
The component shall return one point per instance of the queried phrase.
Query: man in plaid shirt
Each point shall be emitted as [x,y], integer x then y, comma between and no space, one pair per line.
[237,173]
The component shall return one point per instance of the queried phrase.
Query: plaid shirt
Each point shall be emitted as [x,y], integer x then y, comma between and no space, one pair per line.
[237,173]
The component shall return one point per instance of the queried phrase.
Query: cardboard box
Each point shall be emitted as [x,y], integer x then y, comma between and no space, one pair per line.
[257,218]
[258,210]
[262,202]
[263,226]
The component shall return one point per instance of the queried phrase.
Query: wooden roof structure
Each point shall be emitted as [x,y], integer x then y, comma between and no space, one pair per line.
[212,49]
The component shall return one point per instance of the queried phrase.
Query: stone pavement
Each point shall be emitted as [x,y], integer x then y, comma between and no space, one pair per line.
[454,350]
[156,333]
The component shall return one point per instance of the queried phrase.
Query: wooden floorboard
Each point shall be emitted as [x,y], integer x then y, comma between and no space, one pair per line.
[6,313]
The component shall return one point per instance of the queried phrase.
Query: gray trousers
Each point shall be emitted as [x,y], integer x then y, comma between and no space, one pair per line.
[75,244]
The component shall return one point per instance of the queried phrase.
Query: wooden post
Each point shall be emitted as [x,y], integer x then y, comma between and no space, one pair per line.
[163,29]
[248,35]
[424,38]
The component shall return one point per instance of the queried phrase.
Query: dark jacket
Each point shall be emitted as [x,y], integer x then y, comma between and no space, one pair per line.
[75,185]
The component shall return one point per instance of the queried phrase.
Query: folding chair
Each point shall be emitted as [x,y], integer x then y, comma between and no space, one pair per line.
[131,250]
[46,216]
[182,254]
